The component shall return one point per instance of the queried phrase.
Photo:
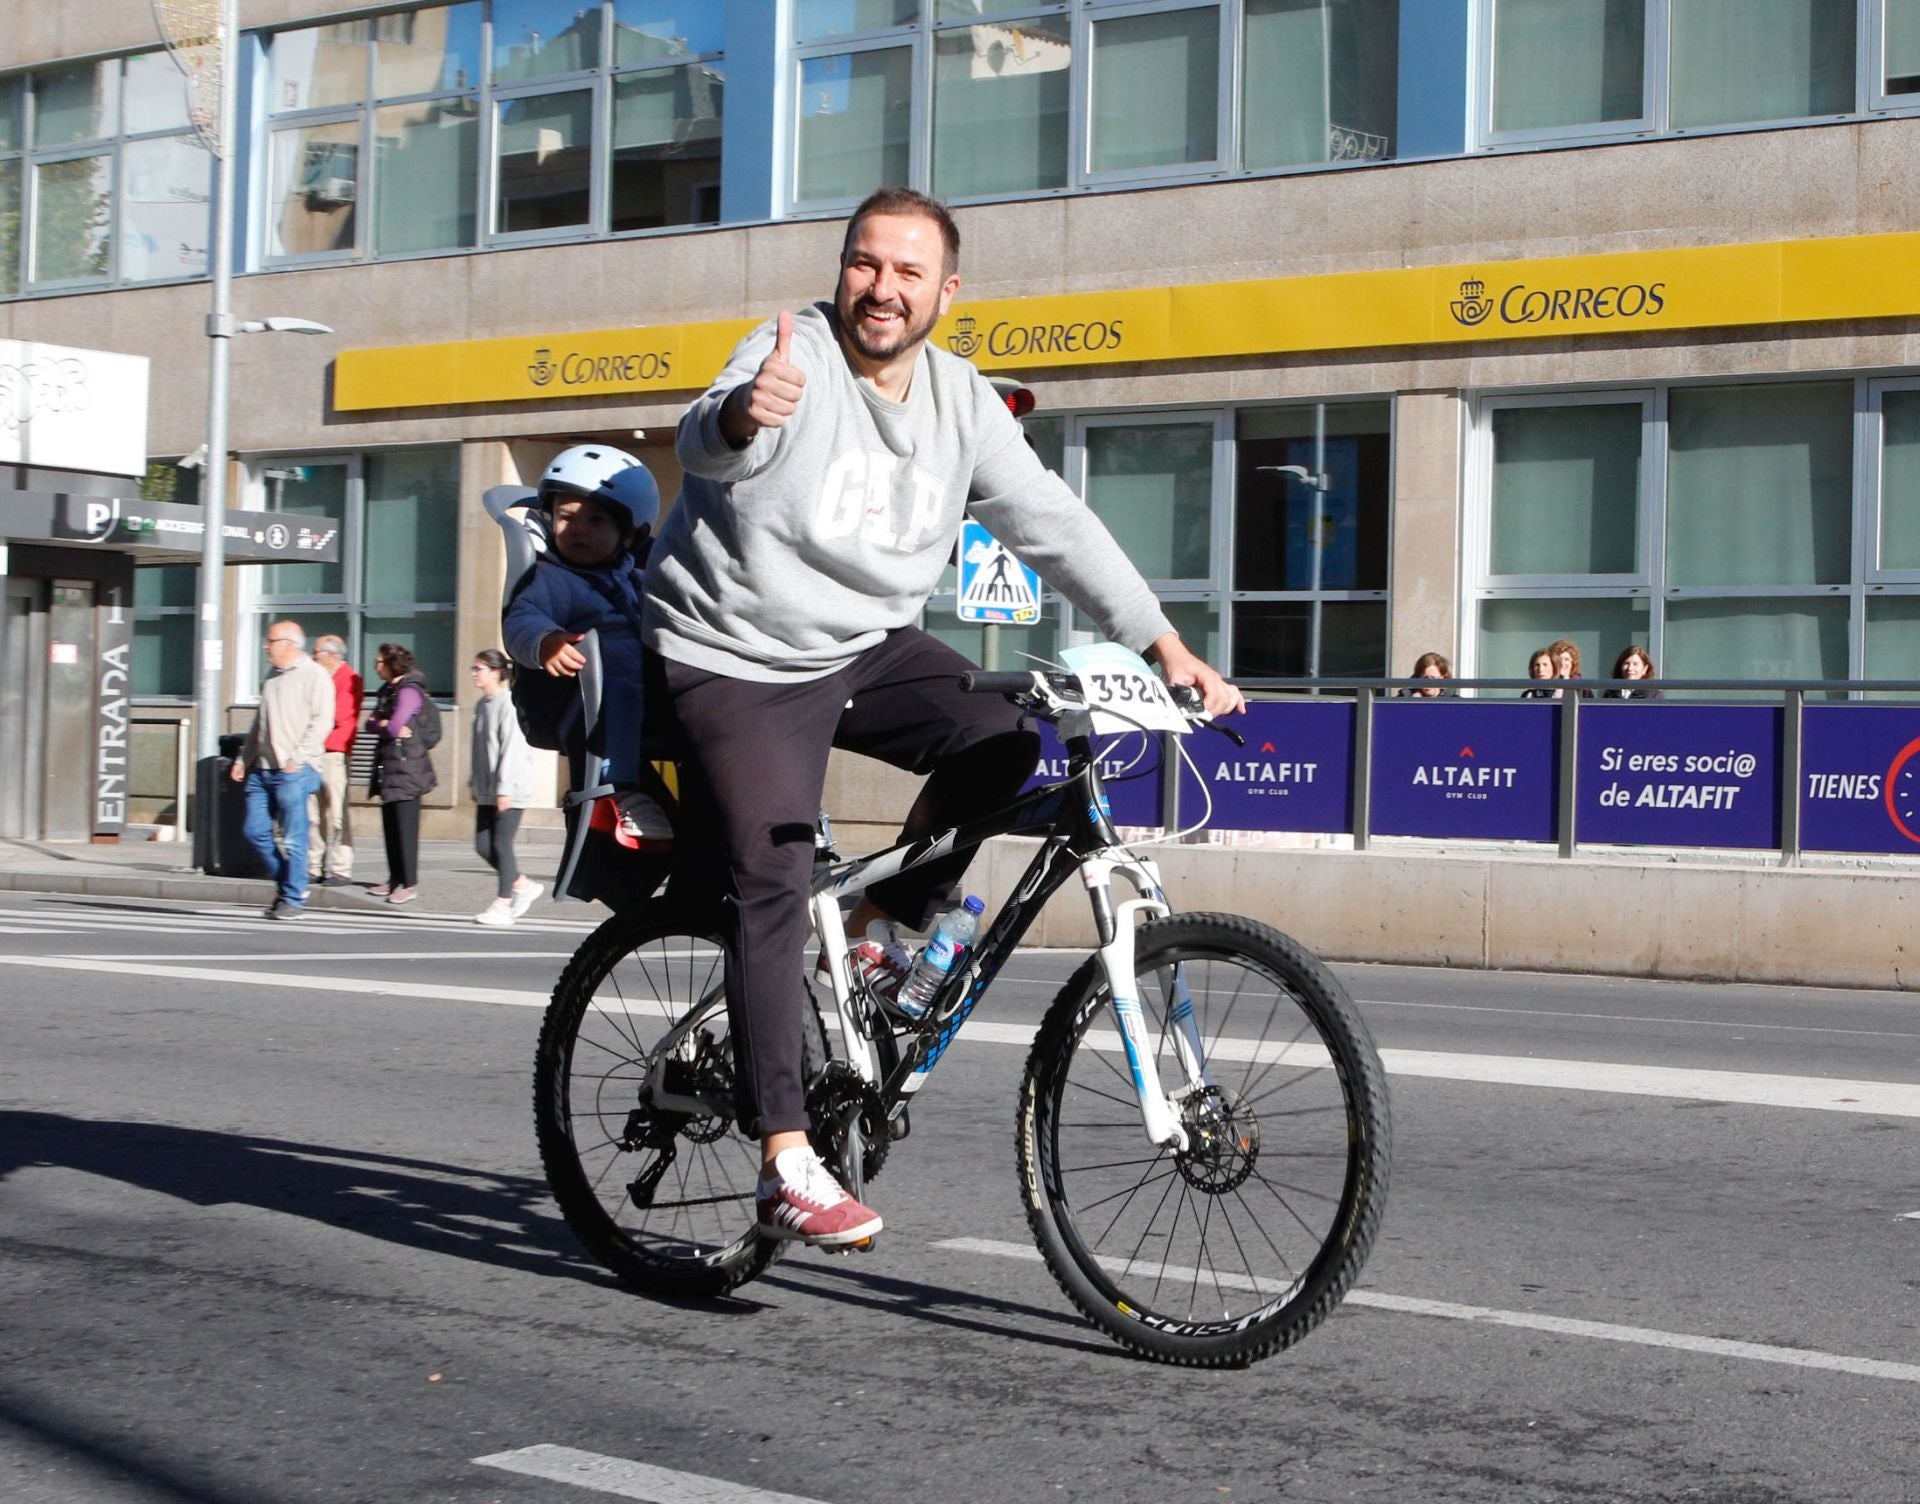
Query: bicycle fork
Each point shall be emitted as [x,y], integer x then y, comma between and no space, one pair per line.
[1117,925]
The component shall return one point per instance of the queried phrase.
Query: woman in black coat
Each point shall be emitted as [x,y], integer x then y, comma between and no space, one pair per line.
[402,767]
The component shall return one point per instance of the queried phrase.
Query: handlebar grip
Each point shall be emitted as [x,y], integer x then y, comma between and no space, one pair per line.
[1010,682]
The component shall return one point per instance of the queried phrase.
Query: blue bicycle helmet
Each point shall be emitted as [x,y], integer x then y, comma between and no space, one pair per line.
[608,475]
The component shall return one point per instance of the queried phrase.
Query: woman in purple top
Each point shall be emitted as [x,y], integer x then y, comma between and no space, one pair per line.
[402,766]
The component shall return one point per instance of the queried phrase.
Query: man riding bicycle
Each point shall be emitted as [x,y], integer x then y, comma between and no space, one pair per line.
[827,469]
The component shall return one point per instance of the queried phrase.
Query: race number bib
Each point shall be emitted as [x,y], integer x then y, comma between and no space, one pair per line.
[1123,693]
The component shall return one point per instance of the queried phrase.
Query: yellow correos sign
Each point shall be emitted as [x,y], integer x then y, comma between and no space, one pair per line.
[1852,277]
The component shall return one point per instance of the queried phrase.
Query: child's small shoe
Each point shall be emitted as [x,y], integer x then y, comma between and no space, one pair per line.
[641,821]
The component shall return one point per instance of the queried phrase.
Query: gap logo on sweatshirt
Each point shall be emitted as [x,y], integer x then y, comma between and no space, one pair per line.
[885,500]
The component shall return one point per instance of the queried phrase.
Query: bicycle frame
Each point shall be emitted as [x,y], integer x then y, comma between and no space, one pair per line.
[1073,818]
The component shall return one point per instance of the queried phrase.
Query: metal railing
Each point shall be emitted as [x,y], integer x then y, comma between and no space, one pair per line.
[1790,696]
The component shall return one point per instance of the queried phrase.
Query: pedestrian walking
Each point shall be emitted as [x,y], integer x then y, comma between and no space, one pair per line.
[330,851]
[501,781]
[280,762]
[407,723]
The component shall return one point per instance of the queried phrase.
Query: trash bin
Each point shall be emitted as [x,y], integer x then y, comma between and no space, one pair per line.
[220,846]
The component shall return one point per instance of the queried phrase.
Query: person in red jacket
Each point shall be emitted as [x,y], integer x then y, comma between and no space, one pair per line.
[330,851]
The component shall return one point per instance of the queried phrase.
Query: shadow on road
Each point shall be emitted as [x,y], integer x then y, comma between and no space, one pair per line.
[96,1461]
[502,1220]
[939,1305]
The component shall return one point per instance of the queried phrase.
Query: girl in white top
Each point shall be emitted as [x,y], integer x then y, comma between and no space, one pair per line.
[502,785]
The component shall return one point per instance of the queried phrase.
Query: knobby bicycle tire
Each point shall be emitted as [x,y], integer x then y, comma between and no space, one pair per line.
[1241,1245]
[661,1193]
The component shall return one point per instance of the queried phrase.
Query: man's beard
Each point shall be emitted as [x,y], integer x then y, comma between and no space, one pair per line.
[906,335]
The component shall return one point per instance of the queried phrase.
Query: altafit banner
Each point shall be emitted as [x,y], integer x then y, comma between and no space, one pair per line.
[1294,773]
[1860,778]
[1458,768]
[1679,775]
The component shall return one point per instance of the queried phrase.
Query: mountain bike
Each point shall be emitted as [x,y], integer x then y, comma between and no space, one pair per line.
[1202,1125]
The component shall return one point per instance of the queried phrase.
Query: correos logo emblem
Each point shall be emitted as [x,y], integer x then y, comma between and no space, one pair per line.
[1473,305]
[965,339]
[542,369]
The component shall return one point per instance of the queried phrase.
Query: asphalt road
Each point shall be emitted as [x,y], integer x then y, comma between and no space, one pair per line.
[272,1228]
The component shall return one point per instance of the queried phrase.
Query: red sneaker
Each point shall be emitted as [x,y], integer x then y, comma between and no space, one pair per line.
[806,1204]
[883,959]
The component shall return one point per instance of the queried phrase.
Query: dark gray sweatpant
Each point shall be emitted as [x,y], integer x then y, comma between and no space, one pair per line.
[753,765]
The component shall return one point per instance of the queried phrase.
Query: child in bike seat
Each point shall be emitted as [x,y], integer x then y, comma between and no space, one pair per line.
[600,504]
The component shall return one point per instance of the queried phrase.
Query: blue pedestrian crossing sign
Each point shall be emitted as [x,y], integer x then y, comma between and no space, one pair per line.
[995,586]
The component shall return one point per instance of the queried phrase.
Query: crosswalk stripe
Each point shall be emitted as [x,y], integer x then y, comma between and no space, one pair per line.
[630,1480]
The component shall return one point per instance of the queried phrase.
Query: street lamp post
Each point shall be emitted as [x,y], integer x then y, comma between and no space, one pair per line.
[210,662]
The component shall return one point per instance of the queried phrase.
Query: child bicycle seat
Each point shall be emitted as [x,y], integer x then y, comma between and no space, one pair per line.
[554,714]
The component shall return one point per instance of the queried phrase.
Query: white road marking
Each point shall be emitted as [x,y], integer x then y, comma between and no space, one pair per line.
[277,982]
[307,957]
[1898,1099]
[1603,1331]
[1646,1020]
[630,1480]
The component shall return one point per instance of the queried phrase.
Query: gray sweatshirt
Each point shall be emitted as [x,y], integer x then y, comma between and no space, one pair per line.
[501,761]
[787,559]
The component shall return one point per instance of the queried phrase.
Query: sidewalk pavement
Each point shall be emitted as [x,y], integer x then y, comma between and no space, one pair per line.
[453,879]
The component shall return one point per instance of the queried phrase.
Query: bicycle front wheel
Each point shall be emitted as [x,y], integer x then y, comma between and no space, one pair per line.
[633,1097]
[1240,1244]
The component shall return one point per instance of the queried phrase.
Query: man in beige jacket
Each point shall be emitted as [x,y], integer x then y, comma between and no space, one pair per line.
[280,762]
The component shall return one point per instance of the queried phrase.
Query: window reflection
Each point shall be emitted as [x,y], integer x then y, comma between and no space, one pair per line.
[437,51]
[541,38]
[165,194]
[316,177]
[646,31]
[666,148]
[320,66]
[73,210]
[545,162]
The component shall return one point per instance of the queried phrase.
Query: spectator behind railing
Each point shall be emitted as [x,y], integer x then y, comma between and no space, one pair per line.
[1541,666]
[1566,658]
[1429,666]
[1634,663]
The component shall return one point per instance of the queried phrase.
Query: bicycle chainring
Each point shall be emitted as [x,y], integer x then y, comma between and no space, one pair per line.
[836,1095]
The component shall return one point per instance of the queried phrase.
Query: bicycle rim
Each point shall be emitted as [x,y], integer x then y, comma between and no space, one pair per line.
[1241,1244]
[634,1106]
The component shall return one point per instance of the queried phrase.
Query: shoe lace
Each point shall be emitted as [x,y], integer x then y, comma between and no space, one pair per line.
[884,936]
[814,1182]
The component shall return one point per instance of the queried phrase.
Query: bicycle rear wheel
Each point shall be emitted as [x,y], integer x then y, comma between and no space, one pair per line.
[1239,1245]
[633,1096]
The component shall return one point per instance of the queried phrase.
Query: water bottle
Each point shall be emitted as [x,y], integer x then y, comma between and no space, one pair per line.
[953,934]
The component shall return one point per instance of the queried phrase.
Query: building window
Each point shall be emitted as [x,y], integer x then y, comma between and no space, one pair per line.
[1582,69]
[493,122]
[1310,559]
[1259,571]
[1894,52]
[1719,525]
[164,600]
[1320,82]
[994,98]
[396,577]
[102,181]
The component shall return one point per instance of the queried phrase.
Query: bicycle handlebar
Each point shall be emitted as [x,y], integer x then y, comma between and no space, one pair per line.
[1045,690]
